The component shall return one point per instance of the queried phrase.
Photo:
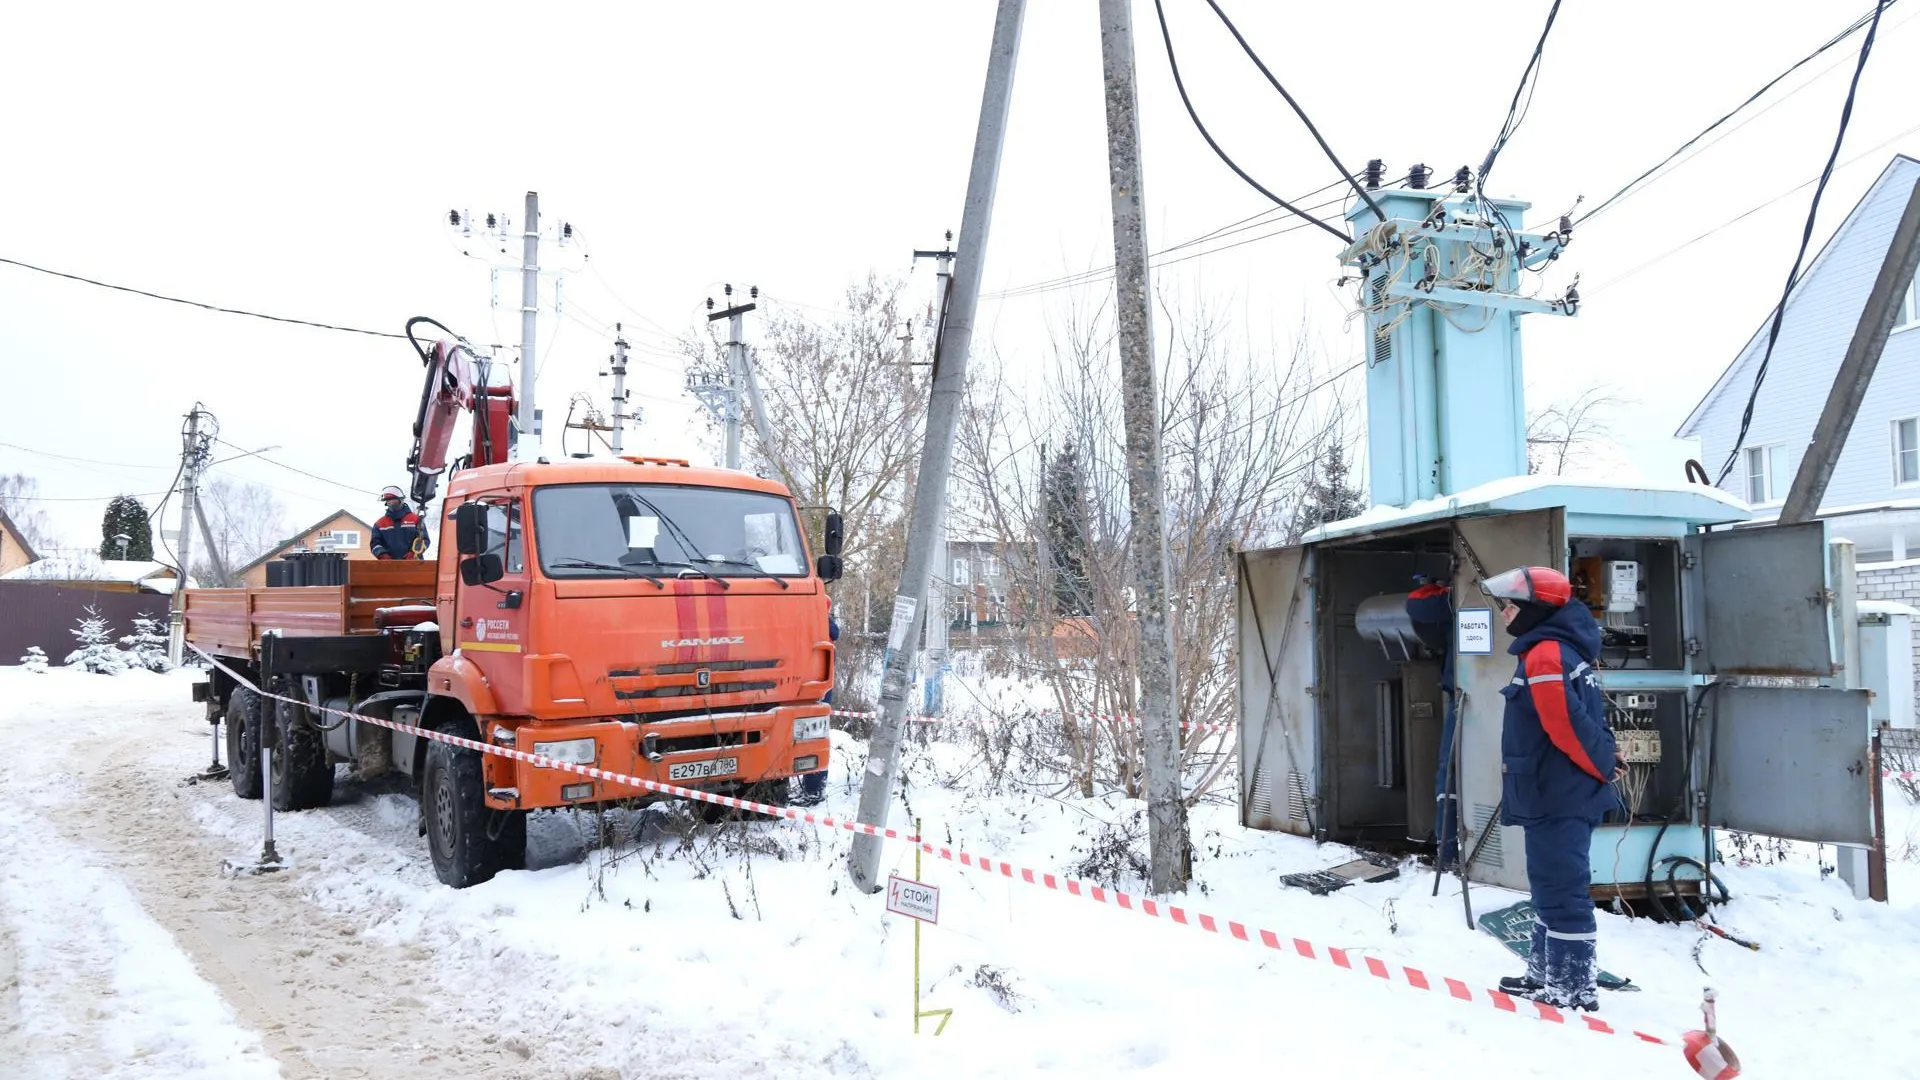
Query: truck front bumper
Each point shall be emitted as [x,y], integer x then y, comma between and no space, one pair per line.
[719,750]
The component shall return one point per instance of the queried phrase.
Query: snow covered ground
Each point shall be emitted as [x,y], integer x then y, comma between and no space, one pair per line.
[741,951]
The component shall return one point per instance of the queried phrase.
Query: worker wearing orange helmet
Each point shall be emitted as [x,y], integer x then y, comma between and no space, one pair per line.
[398,534]
[1558,763]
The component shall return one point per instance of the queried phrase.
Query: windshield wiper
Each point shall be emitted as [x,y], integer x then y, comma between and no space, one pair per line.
[753,567]
[683,567]
[589,564]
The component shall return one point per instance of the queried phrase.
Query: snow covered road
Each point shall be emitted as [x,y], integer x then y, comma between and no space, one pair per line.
[741,952]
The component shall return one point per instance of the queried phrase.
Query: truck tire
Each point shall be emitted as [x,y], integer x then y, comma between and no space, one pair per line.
[243,742]
[459,821]
[302,775]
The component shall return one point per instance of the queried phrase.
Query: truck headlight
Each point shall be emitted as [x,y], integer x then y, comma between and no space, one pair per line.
[809,728]
[572,751]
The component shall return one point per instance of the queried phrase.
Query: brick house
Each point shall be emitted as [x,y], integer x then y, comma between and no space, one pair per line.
[15,552]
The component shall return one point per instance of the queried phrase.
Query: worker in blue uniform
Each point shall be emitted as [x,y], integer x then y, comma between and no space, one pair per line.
[1558,767]
[1430,608]
[398,534]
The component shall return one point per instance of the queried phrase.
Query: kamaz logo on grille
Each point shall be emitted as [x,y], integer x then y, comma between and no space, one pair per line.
[703,678]
[688,643]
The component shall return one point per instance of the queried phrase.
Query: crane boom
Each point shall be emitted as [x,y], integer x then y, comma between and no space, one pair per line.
[450,391]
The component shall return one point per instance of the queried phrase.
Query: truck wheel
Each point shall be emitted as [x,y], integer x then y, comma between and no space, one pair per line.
[459,821]
[243,742]
[302,775]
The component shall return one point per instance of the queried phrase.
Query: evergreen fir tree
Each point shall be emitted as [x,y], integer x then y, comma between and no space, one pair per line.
[126,515]
[35,660]
[1064,495]
[1330,496]
[147,645]
[97,652]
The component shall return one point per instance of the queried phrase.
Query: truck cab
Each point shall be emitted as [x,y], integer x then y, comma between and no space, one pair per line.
[641,616]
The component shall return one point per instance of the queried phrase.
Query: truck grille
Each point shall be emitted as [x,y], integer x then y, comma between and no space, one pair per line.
[693,691]
[695,678]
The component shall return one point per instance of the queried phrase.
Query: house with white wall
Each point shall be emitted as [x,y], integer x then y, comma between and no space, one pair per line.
[1873,497]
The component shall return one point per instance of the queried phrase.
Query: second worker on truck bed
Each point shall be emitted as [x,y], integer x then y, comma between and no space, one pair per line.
[398,534]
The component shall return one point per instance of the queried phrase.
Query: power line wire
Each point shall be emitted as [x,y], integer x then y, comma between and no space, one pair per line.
[1298,111]
[1747,213]
[1180,85]
[302,472]
[70,457]
[1516,114]
[1087,277]
[1872,17]
[204,306]
[1806,237]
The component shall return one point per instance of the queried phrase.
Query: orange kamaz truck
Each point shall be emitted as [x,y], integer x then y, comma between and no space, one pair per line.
[635,614]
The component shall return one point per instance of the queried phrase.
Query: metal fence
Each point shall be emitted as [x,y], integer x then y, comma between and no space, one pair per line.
[38,613]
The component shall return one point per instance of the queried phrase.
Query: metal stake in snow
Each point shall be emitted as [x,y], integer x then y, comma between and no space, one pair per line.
[1709,1054]
[269,858]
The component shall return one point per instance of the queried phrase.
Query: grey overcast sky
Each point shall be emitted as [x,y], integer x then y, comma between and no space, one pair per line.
[301,162]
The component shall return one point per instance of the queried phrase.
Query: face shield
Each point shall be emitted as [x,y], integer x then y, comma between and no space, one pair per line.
[1538,584]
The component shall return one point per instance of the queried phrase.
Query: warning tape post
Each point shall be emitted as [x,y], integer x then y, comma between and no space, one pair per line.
[1274,941]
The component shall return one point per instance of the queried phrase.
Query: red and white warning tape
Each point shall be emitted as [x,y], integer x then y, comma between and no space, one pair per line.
[1891,775]
[867,714]
[1344,959]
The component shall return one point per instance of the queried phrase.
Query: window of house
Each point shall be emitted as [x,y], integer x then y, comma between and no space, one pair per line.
[346,538]
[1906,451]
[1770,472]
[990,566]
[1909,306]
[962,573]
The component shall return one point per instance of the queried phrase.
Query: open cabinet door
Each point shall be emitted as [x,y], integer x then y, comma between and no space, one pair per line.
[1791,763]
[1761,601]
[1277,705]
[1498,543]
[1787,761]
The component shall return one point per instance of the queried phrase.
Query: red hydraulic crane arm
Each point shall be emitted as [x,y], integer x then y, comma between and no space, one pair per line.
[450,391]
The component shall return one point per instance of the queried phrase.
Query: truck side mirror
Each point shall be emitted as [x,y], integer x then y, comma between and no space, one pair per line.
[470,529]
[828,567]
[836,534]
[482,569]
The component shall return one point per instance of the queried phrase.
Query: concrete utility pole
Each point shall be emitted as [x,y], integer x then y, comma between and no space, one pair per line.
[1856,370]
[934,701]
[194,450]
[751,376]
[936,456]
[736,364]
[1172,857]
[529,308]
[619,388]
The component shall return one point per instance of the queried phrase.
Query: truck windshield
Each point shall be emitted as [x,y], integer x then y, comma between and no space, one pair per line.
[630,529]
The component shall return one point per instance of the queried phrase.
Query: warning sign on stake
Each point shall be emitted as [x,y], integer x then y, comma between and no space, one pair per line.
[914,899]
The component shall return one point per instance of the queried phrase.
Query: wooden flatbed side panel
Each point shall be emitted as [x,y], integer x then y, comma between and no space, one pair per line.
[374,584]
[216,620]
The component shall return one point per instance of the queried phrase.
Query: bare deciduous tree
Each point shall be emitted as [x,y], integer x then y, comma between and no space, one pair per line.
[1238,433]
[246,521]
[17,494]
[1559,431]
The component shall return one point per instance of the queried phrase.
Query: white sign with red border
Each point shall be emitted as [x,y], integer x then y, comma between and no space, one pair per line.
[914,899]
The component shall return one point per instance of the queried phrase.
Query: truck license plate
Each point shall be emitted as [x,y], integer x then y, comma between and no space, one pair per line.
[702,770]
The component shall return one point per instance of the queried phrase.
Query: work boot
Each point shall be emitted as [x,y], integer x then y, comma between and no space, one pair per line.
[1521,985]
[1536,977]
[1571,970]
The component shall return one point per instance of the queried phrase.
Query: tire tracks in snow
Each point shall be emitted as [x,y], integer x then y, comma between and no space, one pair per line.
[327,1003]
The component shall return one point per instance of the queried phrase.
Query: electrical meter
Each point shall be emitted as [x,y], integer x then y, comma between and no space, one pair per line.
[1623,586]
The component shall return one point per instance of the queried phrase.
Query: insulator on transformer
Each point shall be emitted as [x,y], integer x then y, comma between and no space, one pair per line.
[1375,170]
[1417,177]
[1463,180]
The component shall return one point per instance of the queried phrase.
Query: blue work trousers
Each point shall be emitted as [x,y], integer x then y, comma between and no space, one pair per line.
[1565,932]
